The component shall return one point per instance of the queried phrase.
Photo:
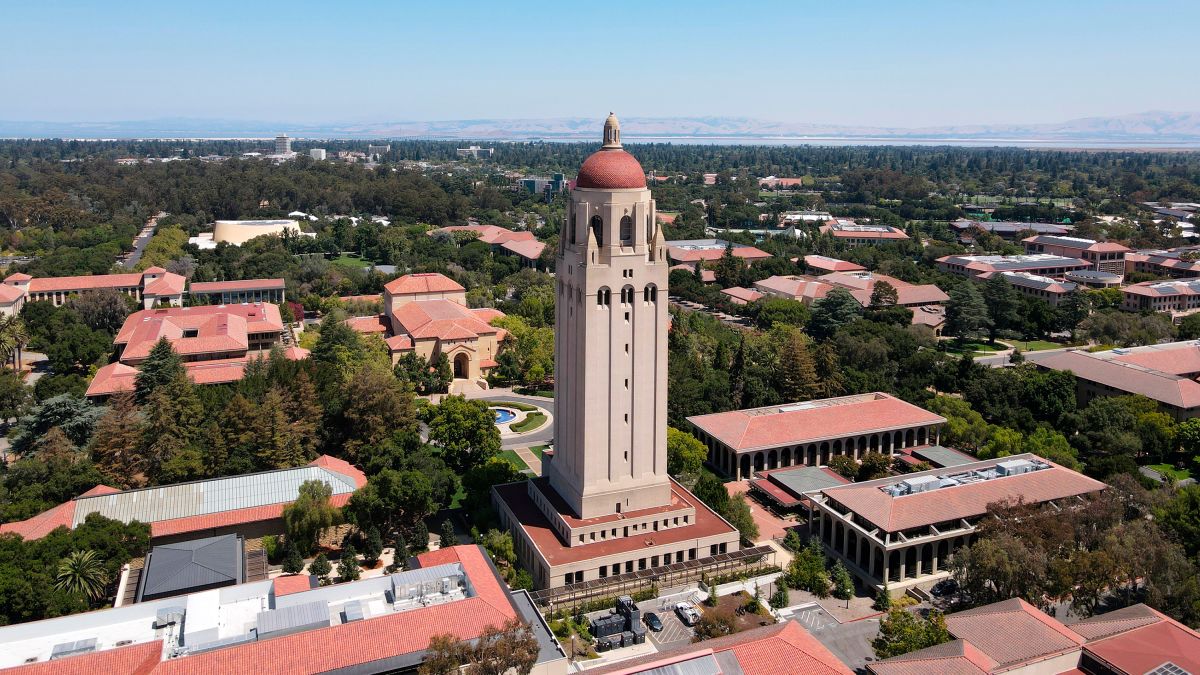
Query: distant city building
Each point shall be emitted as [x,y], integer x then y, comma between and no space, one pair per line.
[317,154]
[283,144]
[544,186]
[1165,373]
[377,150]
[1105,256]
[475,152]
[984,266]
[853,234]
[775,182]
[900,531]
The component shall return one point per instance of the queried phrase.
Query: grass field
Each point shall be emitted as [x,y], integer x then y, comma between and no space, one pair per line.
[537,450]
[953,347]
[456,500]
[531,422]
[1037,345]
[353,262]
[1171,472]
[512,404]
[514,458]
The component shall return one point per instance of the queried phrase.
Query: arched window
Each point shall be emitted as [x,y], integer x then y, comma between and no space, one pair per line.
[650,293]
[627,295]
[626,230]
[598,228]
[603,297]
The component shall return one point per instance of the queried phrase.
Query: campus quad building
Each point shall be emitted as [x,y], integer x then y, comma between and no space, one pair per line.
[1166,373]
[900,531]
[605,504]
[742,442]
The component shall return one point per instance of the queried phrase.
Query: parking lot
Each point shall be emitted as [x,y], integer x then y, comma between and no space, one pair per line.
[814,619]
[673,632]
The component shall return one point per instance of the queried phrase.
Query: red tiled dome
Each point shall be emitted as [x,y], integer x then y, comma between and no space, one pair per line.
[611,169]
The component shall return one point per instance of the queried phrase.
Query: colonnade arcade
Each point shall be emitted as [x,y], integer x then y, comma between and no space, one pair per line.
[742,465]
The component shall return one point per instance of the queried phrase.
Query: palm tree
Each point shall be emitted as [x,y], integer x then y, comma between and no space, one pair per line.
[13,337]
[82,573]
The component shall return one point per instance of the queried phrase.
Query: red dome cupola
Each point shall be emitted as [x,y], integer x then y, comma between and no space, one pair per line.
[610,167]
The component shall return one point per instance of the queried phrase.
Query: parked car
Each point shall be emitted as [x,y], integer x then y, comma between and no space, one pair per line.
[944,587]
[687,614]
[652,621]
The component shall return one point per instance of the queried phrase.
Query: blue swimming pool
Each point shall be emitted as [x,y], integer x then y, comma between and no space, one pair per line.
[504,415]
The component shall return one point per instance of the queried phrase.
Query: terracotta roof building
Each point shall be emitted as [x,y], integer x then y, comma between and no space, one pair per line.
[1104,256]
[1013,637]
[214,342]
[710,250]
[250,504]
[898,532]
[982,266]
[853,234]
[1052,291]
[741,442]
[1165,373]
[825,264]
[502,240]
[770,650]
[861,285]
[706,276]
[1177,297]
[254,628]
[243,290]
[742,296]
[1180,263]
[154,287]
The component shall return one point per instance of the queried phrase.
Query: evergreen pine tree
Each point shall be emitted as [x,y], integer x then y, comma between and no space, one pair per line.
[160,367]
[348,569]
[372,547]
[797,375]
[292,562]
[447,536]
[320,568]
[278,448]
[117,441]
[399,552]
[737,375]
[304,413]
[420,537]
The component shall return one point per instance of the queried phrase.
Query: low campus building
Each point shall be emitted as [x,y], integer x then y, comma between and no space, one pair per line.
[1095,279]
[983,266]
[1006,229]
[692,251]
[234,292]
[283,626]
[1165,373]
[853,234]
[1180,263]
[502,240]
[742,442]
[250,505]
[1016,638]
[861,285]
[1104,256]
[825,264]
[154,287]
[1043,288]
[900,531]
[741,296]
[214,342]
[1177,297]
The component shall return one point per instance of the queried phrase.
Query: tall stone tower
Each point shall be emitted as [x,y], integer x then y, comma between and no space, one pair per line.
[610,450]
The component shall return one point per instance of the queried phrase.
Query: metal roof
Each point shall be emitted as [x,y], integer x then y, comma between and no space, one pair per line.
[941,456]
[805,479]
[205,497]
[175,569]
[293,619]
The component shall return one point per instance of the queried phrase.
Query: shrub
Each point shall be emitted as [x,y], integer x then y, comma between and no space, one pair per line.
[270,544]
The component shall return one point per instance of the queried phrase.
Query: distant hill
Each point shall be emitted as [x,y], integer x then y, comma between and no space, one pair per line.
[1155,127]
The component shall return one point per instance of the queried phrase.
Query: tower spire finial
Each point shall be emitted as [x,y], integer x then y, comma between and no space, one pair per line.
[612,132]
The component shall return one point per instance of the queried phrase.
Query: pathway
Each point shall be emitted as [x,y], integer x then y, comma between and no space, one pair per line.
[542,436]
[131,259]
[531,459]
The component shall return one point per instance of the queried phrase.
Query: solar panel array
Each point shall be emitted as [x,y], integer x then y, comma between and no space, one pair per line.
[205,497]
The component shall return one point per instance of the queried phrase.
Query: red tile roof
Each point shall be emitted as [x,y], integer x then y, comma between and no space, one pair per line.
[894,514]
[1183,359]
[742,295]
[529,249]
[427,282]
[1117,621]
[691,255]
[84,283]
[293,583]
[1173,390]
[1142,649]
[239,285]
[544,537]
[10,294]
[1013,632]
[369,324]
[957,657]
[138,659]
[342,467]
[218,328]
[167,284]
[488,234]
[813,421]
[828,264]
[444,320]
[780,649]
[611,169]
[853,231]
[112,378]
[706,276]
[17,277]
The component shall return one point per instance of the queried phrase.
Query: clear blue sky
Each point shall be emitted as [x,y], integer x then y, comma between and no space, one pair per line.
[902,63]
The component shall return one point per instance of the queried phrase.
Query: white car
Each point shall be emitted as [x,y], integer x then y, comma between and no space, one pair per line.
[687,613]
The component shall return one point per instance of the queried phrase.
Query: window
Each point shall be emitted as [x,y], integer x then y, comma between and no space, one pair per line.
[626,230]
[603,297]
[598,228]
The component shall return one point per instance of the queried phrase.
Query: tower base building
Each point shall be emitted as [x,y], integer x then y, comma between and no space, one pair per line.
[605,504]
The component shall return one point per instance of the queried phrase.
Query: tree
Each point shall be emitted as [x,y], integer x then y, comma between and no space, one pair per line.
[807,571]
[1189,327]
[172,415]
[399,551]
[685,454]
[737,512]
[883,599]
[835,310]
[372,547]
[509,648]
[843,585]
[308,516]
[82,573]
[13,337]
[478,482]
[770,311]
[116,443]
[874,465]
[278,445]
[320,567]
[420,537]
[1003,305]
[729,268]
[844,466]
[779,599]
[465,431]
[884,295]
[391,500]
[14,395]
[74,415]
[304,414]
[712,492]
[797,373]
[161,366]
[1072,310]
[447,537]
[1181,517]
[348,569]
[901,632]
[377,406]
[966,313]
[1049,444]
[103,309]
[714,623]
[293,563]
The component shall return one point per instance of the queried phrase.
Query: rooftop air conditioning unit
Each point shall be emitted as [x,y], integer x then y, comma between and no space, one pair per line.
[921,484]
[1013,467]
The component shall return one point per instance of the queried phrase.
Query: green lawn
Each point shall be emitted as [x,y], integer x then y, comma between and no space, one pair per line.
[537,450]
[353,262]
[1171,472]
[456,500]
[514,458]
[1037,345]
[953,347]
[512,404]
[531,422]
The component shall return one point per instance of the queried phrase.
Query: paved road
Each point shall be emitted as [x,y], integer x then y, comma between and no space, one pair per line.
[542,436]
[1032,357]
[140,241]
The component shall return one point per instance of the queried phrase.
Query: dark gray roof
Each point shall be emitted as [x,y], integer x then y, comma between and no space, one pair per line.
[940,456]
[805,479]
[1011,227]
[175,569]
[548,647]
